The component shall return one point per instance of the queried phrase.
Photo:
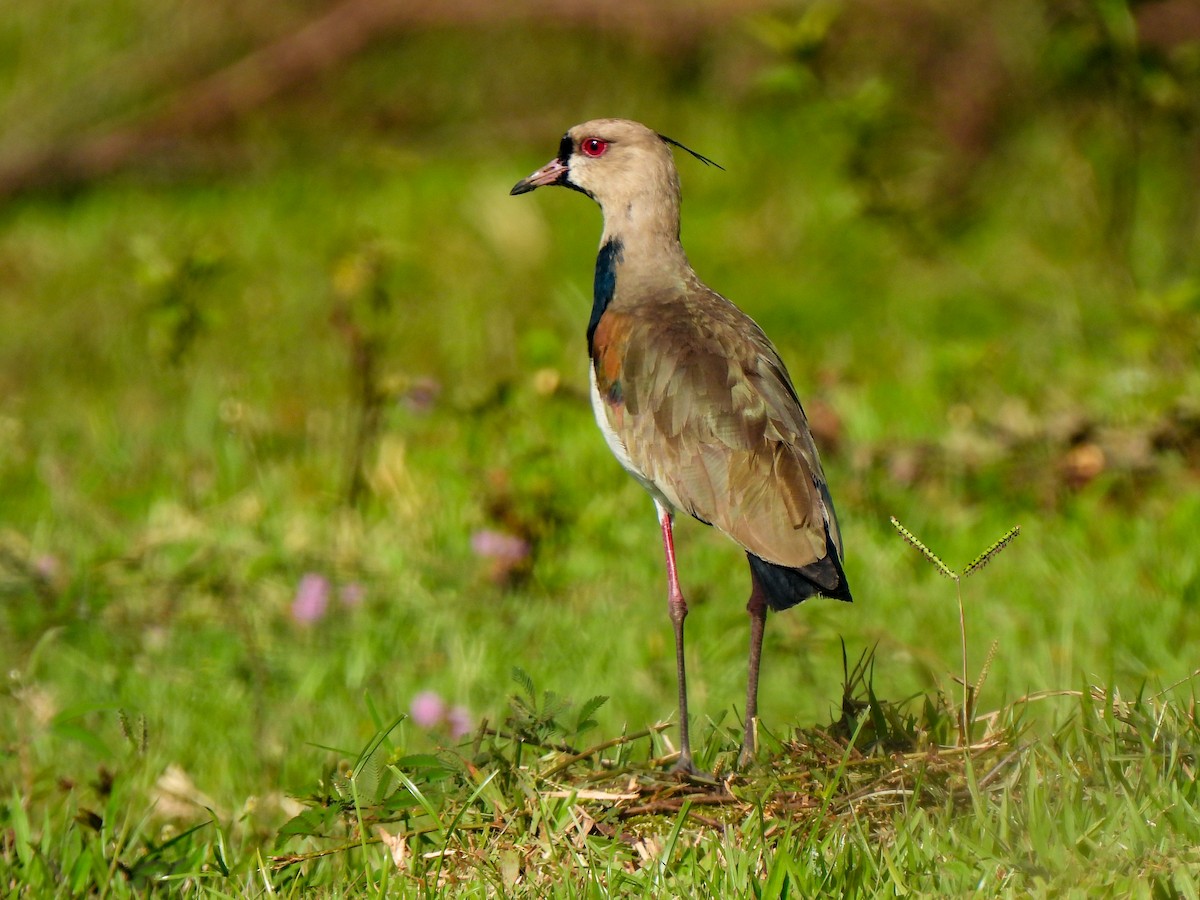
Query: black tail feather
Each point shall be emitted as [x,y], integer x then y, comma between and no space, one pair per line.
[785,587]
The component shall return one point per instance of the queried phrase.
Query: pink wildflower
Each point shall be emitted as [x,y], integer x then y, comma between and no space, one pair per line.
[458,721]
[312,599]
[427,709]
[498,545]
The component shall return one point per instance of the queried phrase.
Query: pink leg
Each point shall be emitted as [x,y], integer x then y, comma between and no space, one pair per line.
[677,607]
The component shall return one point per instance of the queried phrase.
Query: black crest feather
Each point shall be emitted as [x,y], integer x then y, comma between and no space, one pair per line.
[703,159]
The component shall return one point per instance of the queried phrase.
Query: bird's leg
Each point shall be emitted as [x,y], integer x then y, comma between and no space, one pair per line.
[677,607]
[757,607]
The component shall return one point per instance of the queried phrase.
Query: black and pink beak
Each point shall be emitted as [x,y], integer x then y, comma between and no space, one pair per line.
[553,172]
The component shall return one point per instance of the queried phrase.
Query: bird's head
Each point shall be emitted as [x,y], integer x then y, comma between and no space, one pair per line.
[616,162]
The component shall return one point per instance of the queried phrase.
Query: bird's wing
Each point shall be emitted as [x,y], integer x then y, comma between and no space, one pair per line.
[707,414]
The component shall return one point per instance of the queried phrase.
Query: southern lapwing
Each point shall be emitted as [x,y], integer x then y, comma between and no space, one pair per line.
[691,395]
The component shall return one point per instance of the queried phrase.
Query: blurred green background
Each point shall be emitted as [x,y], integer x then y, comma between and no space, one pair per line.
[268,311]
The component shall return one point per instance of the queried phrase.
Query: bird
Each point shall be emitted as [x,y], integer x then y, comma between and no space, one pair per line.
[692,397]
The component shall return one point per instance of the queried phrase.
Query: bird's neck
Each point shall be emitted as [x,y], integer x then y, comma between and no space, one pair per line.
[648,221]
[640,256]
[648,235]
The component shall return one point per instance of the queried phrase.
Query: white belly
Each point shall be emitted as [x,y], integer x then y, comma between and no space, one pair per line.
[617,446]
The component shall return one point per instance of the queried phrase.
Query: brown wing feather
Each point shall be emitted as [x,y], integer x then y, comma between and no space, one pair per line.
[709,417]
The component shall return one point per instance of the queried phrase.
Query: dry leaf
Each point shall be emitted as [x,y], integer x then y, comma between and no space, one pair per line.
[398,847]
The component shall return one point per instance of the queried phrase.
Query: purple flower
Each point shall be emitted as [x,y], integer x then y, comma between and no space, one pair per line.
[427,709]
[312,599]
[458,720]
[499,546]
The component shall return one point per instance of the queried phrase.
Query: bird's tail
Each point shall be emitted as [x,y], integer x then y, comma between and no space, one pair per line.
[785,587]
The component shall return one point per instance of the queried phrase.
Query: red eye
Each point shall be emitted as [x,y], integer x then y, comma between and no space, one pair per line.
[593,147]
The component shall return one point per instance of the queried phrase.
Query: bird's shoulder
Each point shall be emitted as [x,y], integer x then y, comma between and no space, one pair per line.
[685,351]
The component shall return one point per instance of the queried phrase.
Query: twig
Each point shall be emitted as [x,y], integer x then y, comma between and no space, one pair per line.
[282,862]
[998,767]
[601,747]
[508,735]
[674,804]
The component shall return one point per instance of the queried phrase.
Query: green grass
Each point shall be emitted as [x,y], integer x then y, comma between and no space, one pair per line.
[177,412]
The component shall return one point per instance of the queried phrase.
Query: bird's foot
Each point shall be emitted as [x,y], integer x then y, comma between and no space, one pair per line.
[745,759]
[749,745]
[684,765]
[685,770]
